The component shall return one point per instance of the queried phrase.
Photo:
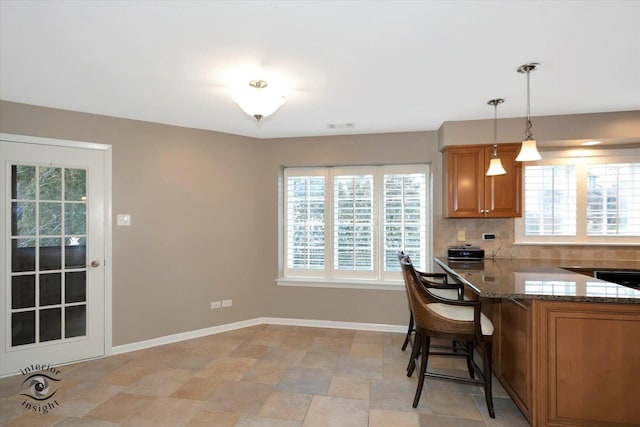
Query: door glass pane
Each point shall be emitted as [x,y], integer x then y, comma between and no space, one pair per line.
[75,287]
[50,183]
[50,253]
[23,218]
[50,324]
[75,218]
[50,219]
[23,182]
[75,252]
[48,213]
[75,321]
[75,184]
[23,291]
[23,328]
[23,255]
[50,289]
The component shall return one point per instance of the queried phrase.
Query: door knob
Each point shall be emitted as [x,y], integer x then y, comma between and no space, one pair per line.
[95,263]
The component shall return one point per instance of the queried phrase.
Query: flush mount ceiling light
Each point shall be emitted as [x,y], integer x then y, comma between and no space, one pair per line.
[258,100]
[495,165]
[528,151]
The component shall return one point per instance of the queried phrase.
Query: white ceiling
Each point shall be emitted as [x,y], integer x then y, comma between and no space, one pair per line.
[383,65]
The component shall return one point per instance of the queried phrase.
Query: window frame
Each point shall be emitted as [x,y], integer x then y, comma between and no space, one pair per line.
[377,278]
[581,158]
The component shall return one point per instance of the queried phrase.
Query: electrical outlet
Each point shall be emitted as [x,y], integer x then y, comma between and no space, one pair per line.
[227,303]
[461,236]
[215,304]
[488,236]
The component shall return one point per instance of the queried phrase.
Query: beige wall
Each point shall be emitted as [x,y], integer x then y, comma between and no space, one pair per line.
[192,199]
[204,209]
[350,305]
[549,131]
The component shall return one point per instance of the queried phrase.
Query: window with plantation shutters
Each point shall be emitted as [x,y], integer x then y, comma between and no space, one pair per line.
[353,221]
[581,200]
[550,200]
[405,218]
[345,224]
[305,222]
[613,199]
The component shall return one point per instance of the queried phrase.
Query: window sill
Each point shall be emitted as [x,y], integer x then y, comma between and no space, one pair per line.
[561,243]
[387,285]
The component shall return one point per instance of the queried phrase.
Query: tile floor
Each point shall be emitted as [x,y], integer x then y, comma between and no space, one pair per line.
[265,375]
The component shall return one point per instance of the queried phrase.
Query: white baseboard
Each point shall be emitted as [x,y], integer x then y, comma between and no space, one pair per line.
[169,339]
[376,327]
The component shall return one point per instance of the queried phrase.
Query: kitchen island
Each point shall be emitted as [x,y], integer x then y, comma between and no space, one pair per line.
[566,345]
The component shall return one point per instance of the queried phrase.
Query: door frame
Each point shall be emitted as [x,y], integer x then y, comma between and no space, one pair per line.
[108,271]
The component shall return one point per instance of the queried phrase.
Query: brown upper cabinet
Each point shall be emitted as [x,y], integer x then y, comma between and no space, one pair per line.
[468,193]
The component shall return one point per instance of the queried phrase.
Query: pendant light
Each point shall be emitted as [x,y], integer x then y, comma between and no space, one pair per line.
[495,165]
[258,100]
[528,151]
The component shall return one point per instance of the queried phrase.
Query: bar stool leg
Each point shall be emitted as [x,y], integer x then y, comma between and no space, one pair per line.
[415,352]
[487,379]
[408,337]
[470,360]
[426,341]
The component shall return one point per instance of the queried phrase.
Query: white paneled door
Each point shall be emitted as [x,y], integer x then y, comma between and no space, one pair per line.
[52,209]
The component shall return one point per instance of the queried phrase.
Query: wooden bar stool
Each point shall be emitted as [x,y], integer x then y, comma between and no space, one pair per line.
[439,286]
[460,321]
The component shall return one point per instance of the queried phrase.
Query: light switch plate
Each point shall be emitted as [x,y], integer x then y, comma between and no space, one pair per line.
[123,219]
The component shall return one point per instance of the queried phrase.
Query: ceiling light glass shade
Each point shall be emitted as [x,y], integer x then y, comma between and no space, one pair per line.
[258,100]
[528,151]
[495,168]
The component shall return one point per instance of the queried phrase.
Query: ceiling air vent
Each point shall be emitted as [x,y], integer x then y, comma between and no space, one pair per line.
[340,125]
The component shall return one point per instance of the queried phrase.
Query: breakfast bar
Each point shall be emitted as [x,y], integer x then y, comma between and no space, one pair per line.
[566,345]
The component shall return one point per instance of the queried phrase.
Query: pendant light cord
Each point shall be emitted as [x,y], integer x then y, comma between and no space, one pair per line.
[528,131]
[495,103]
[495,130]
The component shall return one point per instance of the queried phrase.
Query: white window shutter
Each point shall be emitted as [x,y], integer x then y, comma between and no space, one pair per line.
[305,222]
[550,200]
[613,200]
[353,222]
[405,219]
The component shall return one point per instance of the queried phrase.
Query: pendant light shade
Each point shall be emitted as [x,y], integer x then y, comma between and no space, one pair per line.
[258,100]
[528,151]
[495,165]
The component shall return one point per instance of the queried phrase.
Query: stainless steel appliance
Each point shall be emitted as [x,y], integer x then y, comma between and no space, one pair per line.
[465,253]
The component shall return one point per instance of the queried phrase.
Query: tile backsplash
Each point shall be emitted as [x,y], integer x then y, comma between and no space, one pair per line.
[445,232]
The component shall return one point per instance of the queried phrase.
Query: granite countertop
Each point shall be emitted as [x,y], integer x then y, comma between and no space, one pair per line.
[541,279]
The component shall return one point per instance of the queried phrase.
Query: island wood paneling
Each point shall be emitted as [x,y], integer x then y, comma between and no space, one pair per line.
[589,358]
[513,351]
